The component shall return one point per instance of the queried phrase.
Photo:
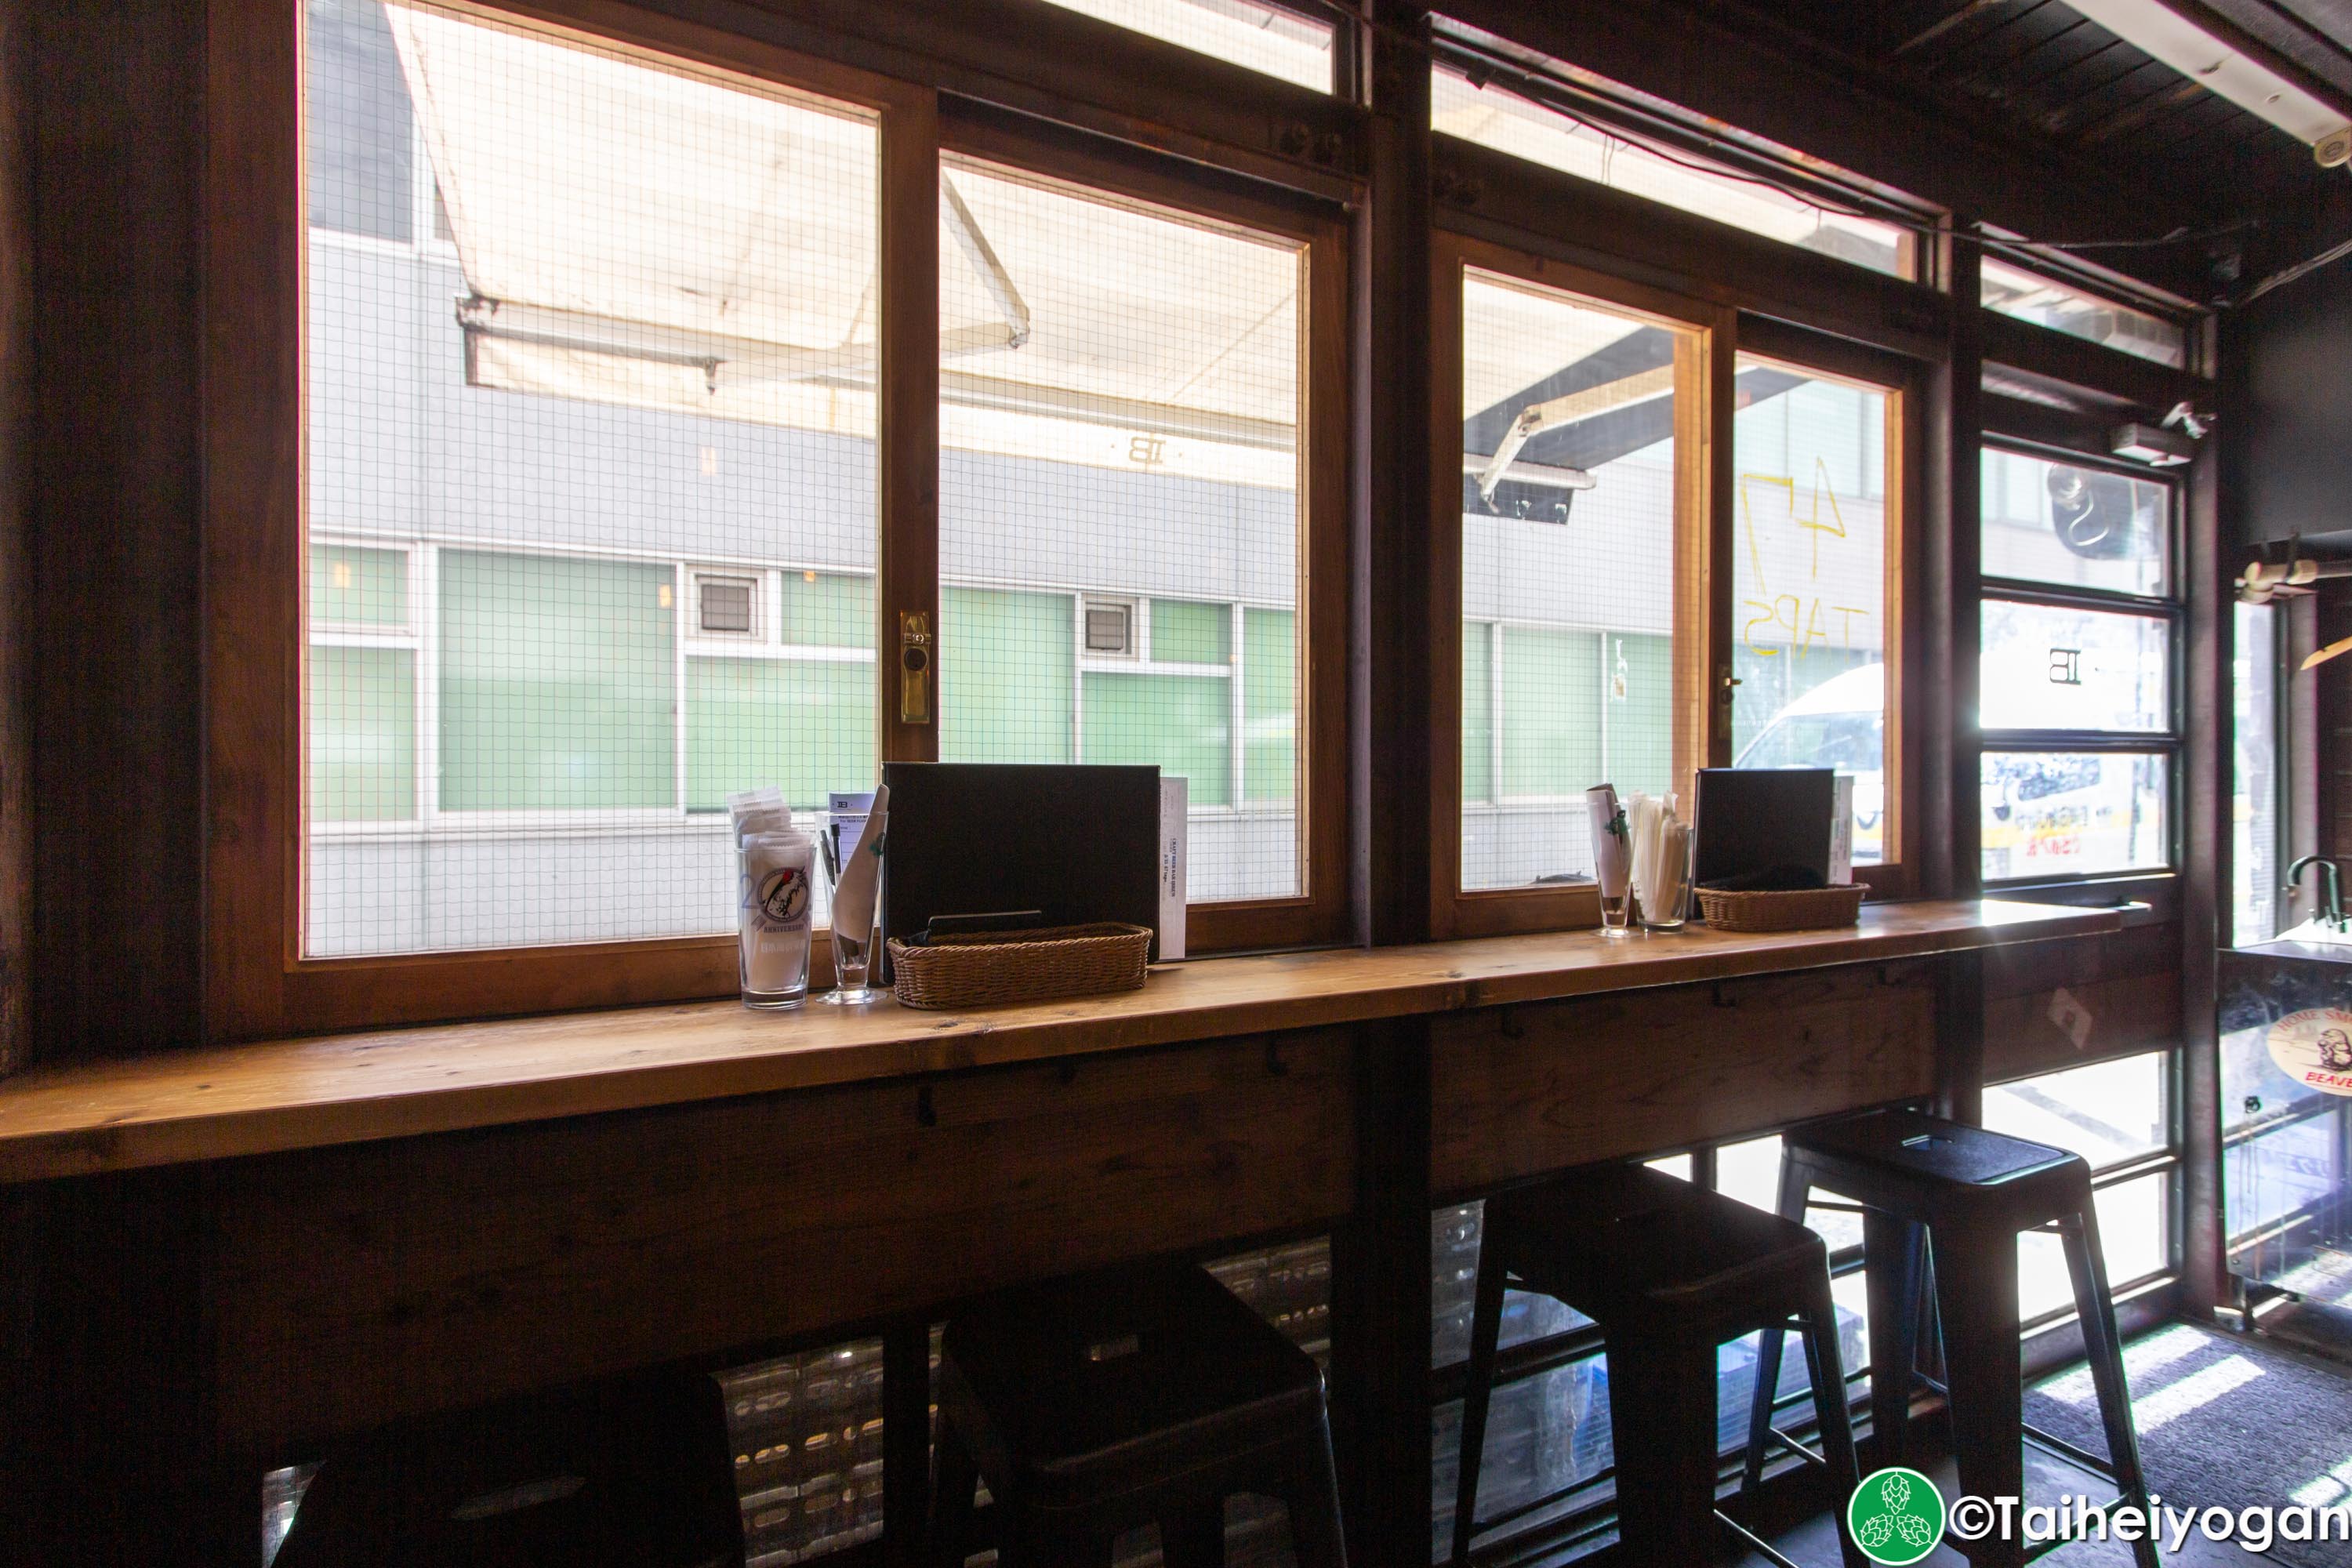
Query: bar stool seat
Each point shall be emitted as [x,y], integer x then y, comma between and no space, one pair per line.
[1096,1405]
[1925,1182]
[1670,1271]
[633,1472]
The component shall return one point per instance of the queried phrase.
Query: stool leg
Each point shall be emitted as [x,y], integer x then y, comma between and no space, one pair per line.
[1486,1328]
[1828,1371]
[952,1502]
[1313,1499]
[1796,1191]
[2103,1343]
[1661,1416]
[1976,1288]
[1893,1251]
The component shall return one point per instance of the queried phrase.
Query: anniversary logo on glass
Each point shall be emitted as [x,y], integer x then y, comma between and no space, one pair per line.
[1896,1516]
[2314,1048]
[784,895]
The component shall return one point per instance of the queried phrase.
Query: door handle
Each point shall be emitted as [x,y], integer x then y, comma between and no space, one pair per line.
[914,667]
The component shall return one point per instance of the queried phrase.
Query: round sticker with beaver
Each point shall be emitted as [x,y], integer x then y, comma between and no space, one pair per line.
[2314,1048]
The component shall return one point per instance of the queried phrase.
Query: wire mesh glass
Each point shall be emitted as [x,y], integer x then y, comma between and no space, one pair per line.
[1808,577]
[591,354]
[1119,504]
[1568,549]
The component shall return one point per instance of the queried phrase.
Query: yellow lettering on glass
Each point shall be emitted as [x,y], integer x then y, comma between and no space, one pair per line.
[1800,615]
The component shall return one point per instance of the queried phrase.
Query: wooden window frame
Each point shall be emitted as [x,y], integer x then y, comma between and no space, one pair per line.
[1702,615]
[1902,381]
[1704,633]
[257,982]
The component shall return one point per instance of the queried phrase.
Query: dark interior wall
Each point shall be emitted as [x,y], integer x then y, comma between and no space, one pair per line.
[114,97]
[2294,413]
[16,375]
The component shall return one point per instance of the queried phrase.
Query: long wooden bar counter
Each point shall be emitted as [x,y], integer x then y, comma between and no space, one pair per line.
[369,1228]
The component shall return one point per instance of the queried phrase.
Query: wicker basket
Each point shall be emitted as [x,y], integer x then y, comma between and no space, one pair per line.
[1801,908]
[996,969]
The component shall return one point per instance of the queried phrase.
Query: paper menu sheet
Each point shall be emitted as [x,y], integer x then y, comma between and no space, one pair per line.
[1174,797]
[1841,832]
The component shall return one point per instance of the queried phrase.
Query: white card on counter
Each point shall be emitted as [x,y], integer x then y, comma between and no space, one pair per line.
[1173,796]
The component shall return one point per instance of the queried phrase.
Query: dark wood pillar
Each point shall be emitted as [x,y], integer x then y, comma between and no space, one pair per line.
[1389,690]
[1954,433]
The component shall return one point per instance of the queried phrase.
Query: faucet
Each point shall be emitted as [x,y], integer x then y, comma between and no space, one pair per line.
[2334,881]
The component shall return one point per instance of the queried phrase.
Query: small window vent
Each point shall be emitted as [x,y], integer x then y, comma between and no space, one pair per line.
[1110,629]
[727,606]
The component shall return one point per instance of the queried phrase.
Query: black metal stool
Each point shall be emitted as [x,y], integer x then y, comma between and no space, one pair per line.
[631,1473]
[1095,1405]
[1968,1193]
[1670,1271]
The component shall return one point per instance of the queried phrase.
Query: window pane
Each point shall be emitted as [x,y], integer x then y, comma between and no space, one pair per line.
[1750,1171]
[1552,713]
[1637,697]
[363,734]
[2059,814]
[1120,389]
[2013,291]
[626,354]
[358,587]
[1477,711]
[1008,677]
[2254,799]
[2084,528]
[1493,117]
[1569,523]
[558,686]
[1270,707]
[1183,722]
[1263,37]
[828,609]
[749,722]
[361,145]
[2134,1235]
[2046,667]
[2107,1112]
[1185,633]
[1808,571]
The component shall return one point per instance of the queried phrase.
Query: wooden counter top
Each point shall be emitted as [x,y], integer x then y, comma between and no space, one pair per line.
[185,1106]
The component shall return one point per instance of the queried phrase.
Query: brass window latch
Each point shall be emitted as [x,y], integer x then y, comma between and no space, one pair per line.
[914,667]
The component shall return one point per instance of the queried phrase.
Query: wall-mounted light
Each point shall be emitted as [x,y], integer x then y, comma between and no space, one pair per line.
[2152,445]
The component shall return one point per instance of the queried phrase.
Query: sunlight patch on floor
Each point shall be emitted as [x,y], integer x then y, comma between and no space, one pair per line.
[2141,1359]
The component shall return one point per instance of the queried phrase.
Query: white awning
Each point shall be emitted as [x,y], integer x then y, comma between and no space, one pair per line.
[638,233]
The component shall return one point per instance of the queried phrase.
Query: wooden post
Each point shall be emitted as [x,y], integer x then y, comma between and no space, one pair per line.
[1390,614]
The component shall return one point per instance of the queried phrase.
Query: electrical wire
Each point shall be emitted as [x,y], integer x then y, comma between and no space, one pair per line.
[2302,268]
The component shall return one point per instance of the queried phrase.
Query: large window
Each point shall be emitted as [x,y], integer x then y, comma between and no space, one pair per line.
[591,511]
[614,500]
[2077,700]
[1579,511]
[1121,507]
